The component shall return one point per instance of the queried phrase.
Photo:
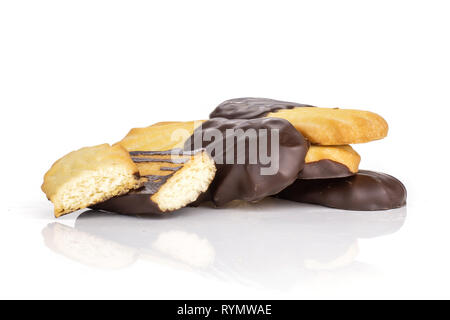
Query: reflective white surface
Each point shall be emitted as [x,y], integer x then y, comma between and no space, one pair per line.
[274,244]
[273,249]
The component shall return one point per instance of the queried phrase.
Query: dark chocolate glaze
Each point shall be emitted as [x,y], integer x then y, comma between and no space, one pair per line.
[324,169]
[175,161]
[202,198]
[175,152]
[244,181]
[250,108]
[139,201]
[153,184]
[365,191]
[170,168]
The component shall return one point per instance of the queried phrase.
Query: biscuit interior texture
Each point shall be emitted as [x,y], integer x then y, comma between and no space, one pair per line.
[345,155]
[175,181]
[326,126]
[88,176]
[161,136]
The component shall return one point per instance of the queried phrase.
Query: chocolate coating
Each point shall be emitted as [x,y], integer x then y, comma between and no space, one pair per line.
[365,191]
[245,181]
[324,169]
[138,202]
[250,108]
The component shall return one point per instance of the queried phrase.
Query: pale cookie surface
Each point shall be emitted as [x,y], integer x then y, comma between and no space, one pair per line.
[161,136]
[323,126]
[88,176]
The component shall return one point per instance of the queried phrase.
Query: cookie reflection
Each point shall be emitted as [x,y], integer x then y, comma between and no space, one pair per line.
[271,243]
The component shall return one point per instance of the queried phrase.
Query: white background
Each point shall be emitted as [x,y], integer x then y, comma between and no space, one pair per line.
[77,73]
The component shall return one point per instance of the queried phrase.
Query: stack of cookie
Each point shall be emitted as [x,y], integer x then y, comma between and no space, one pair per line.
[307,158]
[331,175]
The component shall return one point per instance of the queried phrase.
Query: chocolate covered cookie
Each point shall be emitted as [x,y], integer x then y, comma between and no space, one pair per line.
[255,158]
[323,126]
[173,179]
[325,162]
[364,191]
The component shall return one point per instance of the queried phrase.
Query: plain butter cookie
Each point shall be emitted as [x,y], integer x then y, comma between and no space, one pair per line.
[88,176]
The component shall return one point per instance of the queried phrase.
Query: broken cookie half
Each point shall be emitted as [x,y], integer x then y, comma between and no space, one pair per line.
[88,176]
[172,180]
